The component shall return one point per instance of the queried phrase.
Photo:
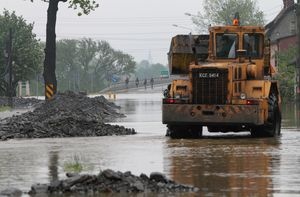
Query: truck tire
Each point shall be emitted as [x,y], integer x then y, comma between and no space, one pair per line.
[272,126]
[184,131]
[195,131]
[176,132]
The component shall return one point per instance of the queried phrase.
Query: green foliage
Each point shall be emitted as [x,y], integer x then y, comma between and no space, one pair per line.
[86,6]
[4,108]
[75,165]
[221,12]
[147,70]
[27,51]
[88,65]
[286,73]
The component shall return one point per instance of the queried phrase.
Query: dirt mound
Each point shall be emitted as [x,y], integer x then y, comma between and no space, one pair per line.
[67,115]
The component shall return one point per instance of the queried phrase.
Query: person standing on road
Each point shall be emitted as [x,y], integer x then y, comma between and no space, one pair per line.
[151,82]
[137,82]
[126,82]
[145,83]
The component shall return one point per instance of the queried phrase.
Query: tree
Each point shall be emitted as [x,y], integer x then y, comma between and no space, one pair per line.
[147,70]
[109,62]
[287,73]
[104,60]
[50,50]
[86,53]
[27,52]
[68,69]
[221,12]
[124,64]
[85,65]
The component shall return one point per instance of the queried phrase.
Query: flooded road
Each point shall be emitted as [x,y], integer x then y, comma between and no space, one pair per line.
[231,164]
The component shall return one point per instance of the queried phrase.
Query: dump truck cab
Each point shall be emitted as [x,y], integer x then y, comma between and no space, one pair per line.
[224,82]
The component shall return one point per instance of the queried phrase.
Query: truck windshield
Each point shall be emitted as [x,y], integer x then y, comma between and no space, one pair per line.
[252,43]
[226,45]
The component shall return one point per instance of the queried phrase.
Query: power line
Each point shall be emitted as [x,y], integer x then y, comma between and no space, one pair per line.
[116,34]
[109,38]
[147,49]
[127,33]
[139,24]
[113,18]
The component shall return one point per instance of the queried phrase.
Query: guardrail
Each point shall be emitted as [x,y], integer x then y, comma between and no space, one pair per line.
[131,84]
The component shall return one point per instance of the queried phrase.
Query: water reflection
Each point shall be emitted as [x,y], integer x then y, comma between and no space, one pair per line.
[298,115]
[234,167]
[53,166]
[140,107]
[291,115]
[129,105]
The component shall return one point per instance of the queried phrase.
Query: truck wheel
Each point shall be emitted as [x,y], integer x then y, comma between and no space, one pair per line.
[273,124]
[184,131]
[195,131]
[176,132]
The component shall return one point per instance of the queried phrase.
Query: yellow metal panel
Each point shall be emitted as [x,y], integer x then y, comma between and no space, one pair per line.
[257,88]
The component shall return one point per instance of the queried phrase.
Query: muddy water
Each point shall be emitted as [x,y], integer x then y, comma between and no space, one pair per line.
[231,164]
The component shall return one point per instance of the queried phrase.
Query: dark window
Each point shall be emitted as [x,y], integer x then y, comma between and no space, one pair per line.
[253,44]
[227,45]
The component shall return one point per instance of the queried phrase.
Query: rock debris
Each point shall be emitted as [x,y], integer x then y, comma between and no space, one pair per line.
[67,115]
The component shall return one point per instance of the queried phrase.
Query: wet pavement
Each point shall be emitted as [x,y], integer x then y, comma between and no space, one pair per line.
[219,164]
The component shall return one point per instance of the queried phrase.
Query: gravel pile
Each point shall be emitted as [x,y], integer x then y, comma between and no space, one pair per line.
[19,102]
[112,182]
[67,115]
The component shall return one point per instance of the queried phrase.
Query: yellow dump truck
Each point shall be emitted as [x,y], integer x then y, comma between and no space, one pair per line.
[224,82]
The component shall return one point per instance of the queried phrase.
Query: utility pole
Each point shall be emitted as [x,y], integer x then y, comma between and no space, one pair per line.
[37,85]
[9,64]
[298,56]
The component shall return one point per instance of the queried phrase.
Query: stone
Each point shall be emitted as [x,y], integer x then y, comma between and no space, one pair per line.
[144,176]
[158,177]
[55,185]
[71,174]
[113,182]
[14,192]
[74,180]
[110,174]
[127,173]
[39,189]
[139,186]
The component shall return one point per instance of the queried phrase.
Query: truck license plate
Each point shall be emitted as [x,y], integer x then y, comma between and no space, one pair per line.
[208,75]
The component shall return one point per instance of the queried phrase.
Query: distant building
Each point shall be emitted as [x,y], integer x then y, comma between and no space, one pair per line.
[282,30]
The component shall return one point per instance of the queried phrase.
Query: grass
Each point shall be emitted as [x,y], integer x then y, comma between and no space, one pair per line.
[75,165]
[4,108]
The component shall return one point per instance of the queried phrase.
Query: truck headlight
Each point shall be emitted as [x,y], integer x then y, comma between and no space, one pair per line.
[243,96]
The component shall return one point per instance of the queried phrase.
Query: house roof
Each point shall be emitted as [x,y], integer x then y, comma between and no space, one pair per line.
[271,26]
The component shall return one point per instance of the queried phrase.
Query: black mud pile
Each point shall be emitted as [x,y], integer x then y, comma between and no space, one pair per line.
[67,115]
[19,102]
[112,182]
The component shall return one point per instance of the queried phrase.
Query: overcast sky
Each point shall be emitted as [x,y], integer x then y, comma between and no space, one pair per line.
[142,28]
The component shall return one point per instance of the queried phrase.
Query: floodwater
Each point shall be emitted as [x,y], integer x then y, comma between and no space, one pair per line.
[219,164]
